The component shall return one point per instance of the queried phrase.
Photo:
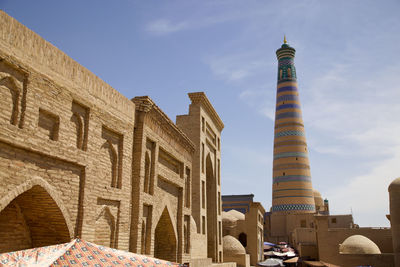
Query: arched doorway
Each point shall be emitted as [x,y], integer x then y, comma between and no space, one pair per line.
[32,219]
[165,239]
[212,232]
[243,239]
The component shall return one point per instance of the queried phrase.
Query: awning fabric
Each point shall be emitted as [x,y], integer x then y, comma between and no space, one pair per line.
[292,260]
[315,263]
[79,253]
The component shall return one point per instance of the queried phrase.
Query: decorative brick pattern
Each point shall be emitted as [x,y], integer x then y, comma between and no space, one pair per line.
[285,106]
[289,133]
[287,89]
[297,207]
[290,154]
[287,115]
[284,98]
[291,178]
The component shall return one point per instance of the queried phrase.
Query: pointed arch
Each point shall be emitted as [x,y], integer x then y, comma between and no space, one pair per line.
[167,206]
[11,84]
[77,120]
[113,156]
[105,227]
[165,238]
[34,213]
[38,181]
[147,171]
[212,230]
[243,239]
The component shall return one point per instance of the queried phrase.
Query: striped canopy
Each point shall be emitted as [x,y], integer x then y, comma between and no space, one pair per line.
[79,253]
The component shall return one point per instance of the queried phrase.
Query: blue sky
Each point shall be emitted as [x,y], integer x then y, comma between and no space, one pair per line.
[347,61]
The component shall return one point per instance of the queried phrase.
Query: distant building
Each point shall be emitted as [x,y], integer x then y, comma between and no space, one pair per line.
[243,219]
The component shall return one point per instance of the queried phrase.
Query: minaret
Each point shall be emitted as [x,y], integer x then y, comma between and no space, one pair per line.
[292,190]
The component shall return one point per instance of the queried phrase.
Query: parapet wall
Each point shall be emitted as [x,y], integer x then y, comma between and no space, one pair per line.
[27,46]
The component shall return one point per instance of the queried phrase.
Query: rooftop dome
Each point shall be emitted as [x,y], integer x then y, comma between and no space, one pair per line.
[358,244]
[395,185]
[232,246]
[237,214]
[193,226]
[318,198]
[228,217]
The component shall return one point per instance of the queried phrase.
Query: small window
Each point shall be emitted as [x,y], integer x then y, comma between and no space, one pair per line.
[203,224]
[303,224]
[283,174]
[203,194]
[202,157]
[333,220]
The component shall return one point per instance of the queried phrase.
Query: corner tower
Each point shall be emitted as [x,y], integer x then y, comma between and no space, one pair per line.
[292,190]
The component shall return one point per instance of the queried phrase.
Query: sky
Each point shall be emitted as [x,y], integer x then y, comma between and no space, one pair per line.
[347,63]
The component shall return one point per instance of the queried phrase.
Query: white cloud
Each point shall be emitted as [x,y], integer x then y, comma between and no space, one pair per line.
[353,110]
[237,67]
[164,26]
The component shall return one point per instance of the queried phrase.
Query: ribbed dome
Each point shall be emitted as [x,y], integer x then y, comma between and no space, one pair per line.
[395,185]
[358,244]
[232,246]
[237,214]
[193,226]
[318,198]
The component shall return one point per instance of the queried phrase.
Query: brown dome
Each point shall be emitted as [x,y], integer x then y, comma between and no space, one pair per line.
[395,185]
[228,217]
[358,244]
[237,214]
[232,246]
[318,198]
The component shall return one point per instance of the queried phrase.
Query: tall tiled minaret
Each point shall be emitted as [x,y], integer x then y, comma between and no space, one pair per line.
[292,190]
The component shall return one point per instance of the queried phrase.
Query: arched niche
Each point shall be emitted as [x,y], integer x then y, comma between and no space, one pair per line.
[33,218]
[147,170]
[78,124]
[105,228]
[13,90]
[110,153]
[165,241]
[212,232]
[243,239]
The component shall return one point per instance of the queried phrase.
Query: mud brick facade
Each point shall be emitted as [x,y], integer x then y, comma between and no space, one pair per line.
[78,159]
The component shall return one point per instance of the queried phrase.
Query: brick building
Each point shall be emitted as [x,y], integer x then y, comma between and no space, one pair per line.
[78,159]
